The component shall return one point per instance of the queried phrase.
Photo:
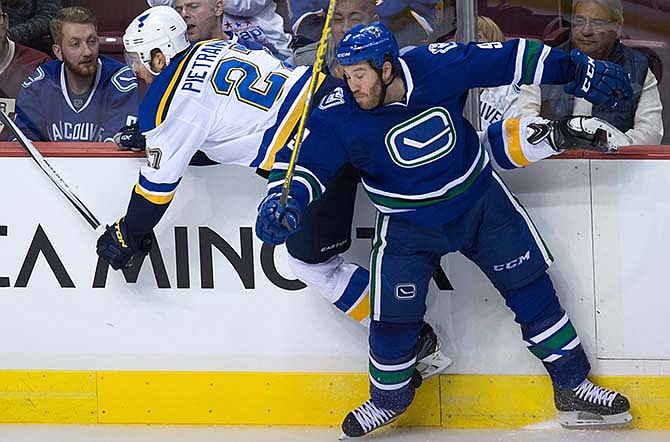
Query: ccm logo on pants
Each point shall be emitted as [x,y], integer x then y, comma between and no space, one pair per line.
[516,262]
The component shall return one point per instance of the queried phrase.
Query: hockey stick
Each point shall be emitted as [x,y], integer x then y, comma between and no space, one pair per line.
[51,172]
[316,71]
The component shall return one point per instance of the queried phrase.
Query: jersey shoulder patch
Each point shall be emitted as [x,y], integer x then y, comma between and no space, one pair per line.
[124,80]
[334,98]
[37,75]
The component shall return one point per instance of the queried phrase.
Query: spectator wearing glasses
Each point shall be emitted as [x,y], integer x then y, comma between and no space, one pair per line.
[595,30]
[16,63]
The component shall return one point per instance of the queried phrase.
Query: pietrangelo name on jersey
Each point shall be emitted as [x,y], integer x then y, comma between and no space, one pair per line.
[204,62]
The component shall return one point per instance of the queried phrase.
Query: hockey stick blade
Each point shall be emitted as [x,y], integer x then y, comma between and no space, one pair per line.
[51,172]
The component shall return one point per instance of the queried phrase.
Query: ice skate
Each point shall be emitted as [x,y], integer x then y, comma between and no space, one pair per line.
[591,406]
[431,360]
[366,418]
[584,133]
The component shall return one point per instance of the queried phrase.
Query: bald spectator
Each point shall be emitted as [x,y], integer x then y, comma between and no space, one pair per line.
[346,15]
[17,62]
[82,96]
[595,30]
[411,21]
[29,19]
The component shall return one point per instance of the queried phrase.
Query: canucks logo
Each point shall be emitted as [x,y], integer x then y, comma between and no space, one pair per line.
[422,139]
[405,291]
[335,98]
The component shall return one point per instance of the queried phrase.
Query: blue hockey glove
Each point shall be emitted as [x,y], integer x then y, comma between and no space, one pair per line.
[275,222]
[130,137]
[600,82]
[119,248]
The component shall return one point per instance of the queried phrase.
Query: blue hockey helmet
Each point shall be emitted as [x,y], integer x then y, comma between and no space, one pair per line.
[367,43]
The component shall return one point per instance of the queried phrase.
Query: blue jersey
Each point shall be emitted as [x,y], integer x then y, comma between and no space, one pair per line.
[419,158]
[45,111]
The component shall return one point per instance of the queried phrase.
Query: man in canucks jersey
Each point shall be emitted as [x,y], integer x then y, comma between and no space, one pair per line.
[194,90]
[430,177]
[81,96]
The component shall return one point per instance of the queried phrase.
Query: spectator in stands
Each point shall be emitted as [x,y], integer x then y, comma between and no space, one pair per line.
[202,17]
[346,15]
[16,63]
[29,20]
[207,19]
[411,21]
[595,30]
[495,103]
[81,96]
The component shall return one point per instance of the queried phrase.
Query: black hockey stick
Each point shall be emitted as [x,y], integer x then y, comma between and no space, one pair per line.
[50,172]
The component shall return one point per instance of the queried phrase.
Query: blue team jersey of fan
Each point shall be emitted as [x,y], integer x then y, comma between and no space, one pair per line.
[45,111]
[419,158]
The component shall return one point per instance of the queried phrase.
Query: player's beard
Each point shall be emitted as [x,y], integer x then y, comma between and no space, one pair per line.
[84,70]
[370,100]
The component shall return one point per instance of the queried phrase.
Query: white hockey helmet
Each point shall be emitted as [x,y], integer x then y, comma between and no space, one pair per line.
[160,27]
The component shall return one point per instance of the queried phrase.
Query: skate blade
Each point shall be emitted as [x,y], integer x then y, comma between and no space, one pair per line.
[583,420]
[433,364]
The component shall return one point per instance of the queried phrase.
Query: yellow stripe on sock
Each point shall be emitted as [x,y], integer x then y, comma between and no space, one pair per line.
[362,310]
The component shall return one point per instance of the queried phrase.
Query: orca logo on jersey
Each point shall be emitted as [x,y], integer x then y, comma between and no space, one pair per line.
[422,139]
[335,98]
[405,291]
[441,48]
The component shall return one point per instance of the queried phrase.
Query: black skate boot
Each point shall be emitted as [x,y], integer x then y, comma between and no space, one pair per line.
[366,418]
[591,406]
[430,359]
[583,133]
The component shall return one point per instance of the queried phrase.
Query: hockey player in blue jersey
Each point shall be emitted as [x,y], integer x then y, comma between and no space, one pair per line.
[400,122]
[81,96]
[189,107]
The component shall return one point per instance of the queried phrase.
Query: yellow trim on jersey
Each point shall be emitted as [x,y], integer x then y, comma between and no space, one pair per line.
[513,140]
[168,94]
[362,310]
[152,198]
[288,127]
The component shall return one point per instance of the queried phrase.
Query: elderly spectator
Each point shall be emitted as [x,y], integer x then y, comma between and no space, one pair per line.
[16,63]
[595,30]
[81,96]
[29,19]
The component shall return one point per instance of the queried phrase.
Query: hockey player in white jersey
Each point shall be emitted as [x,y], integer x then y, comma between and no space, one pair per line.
[194,90]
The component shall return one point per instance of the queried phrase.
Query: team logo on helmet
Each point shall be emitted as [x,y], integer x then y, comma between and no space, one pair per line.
[422,139]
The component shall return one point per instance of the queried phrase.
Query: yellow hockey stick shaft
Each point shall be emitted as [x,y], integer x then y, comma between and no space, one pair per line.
[316,71]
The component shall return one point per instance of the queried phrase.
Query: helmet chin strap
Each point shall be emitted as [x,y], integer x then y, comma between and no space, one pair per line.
[385,86]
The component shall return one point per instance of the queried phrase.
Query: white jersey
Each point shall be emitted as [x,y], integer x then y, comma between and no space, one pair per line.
[496,103]
[237,105]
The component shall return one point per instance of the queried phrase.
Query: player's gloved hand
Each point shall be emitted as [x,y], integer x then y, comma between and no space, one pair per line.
[130,137]
[600,82]
[275,222]
[119,248]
